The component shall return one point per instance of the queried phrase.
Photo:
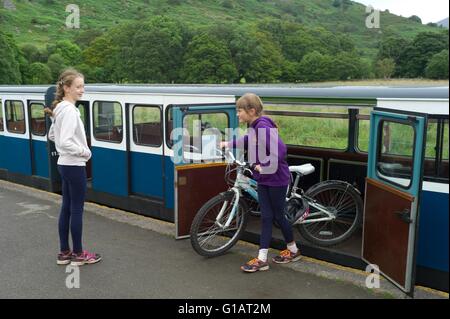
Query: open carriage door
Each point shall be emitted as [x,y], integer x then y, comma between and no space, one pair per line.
[393,184]
[199,170]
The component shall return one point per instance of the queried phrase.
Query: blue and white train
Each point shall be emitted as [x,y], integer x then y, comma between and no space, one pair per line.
[128,129]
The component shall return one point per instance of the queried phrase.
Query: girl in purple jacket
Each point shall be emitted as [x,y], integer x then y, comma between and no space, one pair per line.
[268,152]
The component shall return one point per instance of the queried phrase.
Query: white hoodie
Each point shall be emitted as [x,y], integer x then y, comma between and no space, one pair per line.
[67,131]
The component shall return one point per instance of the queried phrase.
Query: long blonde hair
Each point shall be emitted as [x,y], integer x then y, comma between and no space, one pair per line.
[65,79]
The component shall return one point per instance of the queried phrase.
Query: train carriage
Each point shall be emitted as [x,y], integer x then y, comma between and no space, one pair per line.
[132,167]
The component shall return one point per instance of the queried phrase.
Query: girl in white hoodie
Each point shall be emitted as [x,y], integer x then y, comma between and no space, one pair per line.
[67,131]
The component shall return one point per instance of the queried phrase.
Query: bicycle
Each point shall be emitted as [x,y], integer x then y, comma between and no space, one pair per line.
[327,214]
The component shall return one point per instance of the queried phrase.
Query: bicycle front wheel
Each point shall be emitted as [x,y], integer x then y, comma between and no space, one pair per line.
[209,235]
[342,201]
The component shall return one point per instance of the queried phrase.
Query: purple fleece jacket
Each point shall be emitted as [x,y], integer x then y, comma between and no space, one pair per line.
[268,150]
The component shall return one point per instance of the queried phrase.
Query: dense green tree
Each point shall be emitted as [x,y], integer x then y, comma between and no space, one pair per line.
[157,50]
[348,66]
[392,47]
[31,53]
[315,67]
[385,68]
[39,73]
[84,38]
[108,54]
[255,54]
[138,52]
[240,43]
[267,61]
[437,67]
[297,44]
[69,51]
[415,19]
[414,58]
[56,64]
[208,60]
[9,61]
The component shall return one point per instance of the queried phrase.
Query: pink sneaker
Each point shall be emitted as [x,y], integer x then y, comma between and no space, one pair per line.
[85,258]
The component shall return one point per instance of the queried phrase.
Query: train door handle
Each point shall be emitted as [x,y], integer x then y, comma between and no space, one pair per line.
[404,215]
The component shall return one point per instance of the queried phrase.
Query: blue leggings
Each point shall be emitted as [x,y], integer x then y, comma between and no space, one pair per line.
[71,215]
[272,201]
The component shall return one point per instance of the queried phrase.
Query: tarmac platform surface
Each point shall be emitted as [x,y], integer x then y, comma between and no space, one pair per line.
[141,259]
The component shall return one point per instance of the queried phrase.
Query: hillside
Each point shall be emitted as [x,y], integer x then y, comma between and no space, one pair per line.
[43,21]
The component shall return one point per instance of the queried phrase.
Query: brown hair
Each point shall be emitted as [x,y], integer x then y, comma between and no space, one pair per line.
[65,79]
[250,101]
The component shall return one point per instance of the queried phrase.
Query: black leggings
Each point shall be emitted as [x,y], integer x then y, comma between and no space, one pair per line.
[272,201]
[71,216]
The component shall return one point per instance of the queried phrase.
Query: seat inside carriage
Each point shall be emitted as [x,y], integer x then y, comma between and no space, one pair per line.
[147,133]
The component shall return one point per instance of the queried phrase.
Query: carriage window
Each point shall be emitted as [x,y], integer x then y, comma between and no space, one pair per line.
[1,117]
[433,136]
[15,116]
[436,155]
[314,126]
[395,152]
[363,129]
[37,119]
[108,124]
[205,132]
[147,125]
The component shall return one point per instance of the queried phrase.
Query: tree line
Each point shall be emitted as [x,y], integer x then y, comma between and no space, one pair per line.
[164,50]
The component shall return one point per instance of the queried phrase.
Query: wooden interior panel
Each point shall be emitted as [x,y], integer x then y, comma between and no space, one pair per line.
[196,184]
[385,241]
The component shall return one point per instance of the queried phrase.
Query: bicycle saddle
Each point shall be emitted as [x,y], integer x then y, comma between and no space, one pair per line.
[304,169]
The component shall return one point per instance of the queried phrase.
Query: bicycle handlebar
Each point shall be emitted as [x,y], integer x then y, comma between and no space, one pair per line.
[229,154]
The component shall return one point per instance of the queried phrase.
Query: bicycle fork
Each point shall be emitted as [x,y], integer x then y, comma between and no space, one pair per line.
[233,210]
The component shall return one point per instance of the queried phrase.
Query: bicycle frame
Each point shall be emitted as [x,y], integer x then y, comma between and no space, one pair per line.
[242,183]
[248,185]
[311,218]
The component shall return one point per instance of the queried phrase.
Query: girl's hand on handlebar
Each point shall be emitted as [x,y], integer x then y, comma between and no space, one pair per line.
[258,168]
[224,145]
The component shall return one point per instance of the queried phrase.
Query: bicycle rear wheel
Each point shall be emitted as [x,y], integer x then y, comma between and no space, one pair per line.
[340,199]
[208,237]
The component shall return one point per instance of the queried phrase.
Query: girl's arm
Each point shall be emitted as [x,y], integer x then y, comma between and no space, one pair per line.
[68,127]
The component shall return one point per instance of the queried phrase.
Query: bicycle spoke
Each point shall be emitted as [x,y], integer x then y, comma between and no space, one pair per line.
[348,202]
[341,198]
[210,236]
[343,205]
[348,206]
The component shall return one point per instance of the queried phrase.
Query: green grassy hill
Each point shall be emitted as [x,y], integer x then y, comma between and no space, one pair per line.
[43,21]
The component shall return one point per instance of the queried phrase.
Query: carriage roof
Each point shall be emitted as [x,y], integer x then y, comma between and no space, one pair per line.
[265,91]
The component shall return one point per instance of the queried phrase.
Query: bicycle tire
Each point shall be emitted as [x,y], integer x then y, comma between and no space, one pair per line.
[348,209]
[228,237]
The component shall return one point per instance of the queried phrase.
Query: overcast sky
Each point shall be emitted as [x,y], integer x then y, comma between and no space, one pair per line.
[427,10]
